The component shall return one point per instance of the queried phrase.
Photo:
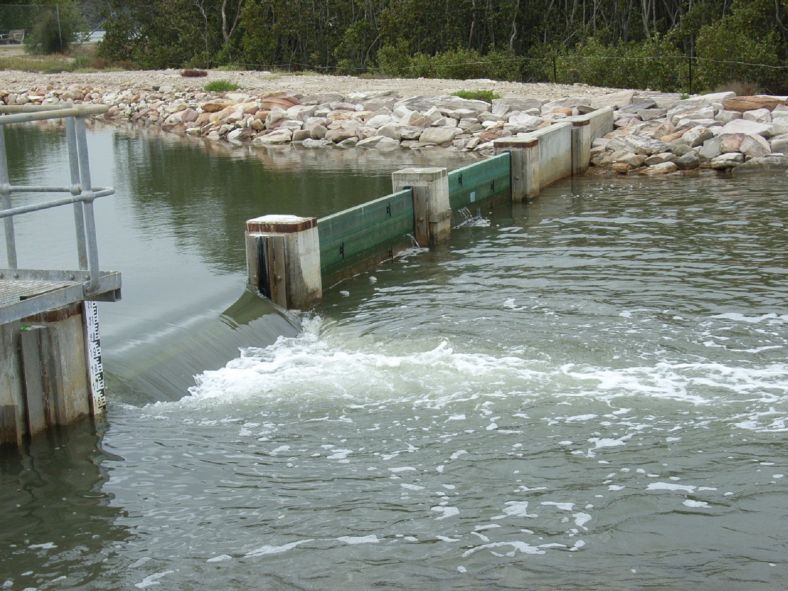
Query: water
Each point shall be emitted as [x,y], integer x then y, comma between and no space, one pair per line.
[586,392]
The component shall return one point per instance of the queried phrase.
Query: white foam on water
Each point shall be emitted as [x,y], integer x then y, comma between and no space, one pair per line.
[581,519]
[695,504]
[355,540]
[44,546]
[562,506]
[356,370]
[445,512]
[516,546]
[670,486]
[737,317]
[220,558]
[515,509]
[269,550]
[152,580]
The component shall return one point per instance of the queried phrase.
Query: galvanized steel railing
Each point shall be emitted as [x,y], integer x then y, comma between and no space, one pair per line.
[81,189]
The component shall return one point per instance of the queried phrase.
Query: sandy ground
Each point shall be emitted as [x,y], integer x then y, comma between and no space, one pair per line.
[15,81]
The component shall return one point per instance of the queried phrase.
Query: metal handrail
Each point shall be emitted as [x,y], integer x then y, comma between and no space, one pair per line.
[82,192]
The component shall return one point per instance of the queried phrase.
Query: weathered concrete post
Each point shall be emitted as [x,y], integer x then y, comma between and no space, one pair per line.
[283,259]
[525,165]
[581,145]
[430,201]
[45,376]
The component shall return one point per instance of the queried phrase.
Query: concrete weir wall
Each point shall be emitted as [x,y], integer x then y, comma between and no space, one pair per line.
[545,156]
[44,373]
[284,252]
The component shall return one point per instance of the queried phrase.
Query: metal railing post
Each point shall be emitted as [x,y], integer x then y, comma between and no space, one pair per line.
[5,203]
[76,189]
[87,194]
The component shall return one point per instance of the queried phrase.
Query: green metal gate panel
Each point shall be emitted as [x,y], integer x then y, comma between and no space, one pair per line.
[348,236]
[479,181]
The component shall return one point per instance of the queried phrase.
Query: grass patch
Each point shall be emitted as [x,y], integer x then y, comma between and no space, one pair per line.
[477,95]
[220,86]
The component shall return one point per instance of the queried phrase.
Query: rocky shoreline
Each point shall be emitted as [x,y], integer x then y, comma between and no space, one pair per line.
[655,133]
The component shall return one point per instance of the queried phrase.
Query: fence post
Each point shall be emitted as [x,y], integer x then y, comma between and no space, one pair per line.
[283,259]
[430,202]
[525,165]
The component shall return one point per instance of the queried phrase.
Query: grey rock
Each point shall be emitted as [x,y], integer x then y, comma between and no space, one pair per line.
[313,143]
[278,136]
[727,116]
[410,133]
[438,135]
[663,168]
[392,131]
[759,115]
[688,161]
[504,106]
[679,148]
[317,132]
[299,135]
[380,142]
[340,135]
[779,144]
[639,104]
[755,146]
[710,149]
[772,162]
[744,126]
[726,161]
[697,135]
[379,121]
[660,158]
[348,143]
[651,114]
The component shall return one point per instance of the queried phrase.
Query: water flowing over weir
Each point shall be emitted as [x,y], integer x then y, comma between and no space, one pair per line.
[585,392]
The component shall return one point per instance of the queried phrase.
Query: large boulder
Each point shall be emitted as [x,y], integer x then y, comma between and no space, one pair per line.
[276,137]
[339,135]
[658,169]
[506,105]
[759,115]
[744,126]
[779,143]
[697,135]
[751,103]
[438,135]
[688,161]
[380,142]
[727,161]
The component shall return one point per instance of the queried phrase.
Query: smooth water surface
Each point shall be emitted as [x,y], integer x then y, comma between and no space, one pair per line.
[586,392]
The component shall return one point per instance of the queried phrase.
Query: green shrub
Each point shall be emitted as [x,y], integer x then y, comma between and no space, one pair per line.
[54,29]
[477,95]
[220,86]
[456,64]
[727,50]
[395,60]
[654,63]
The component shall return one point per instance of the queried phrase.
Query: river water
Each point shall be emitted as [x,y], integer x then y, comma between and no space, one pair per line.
[589,391]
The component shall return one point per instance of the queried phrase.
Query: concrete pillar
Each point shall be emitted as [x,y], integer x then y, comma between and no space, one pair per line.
[54,358]
[12,422]
[283,259]
[525,165]
[581,145]
[44,373]
[430,202]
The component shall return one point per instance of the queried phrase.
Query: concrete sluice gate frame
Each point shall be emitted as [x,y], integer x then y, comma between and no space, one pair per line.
[50,363]
[289,258]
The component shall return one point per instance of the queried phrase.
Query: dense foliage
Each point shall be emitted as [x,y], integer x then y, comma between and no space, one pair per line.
[628,43]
